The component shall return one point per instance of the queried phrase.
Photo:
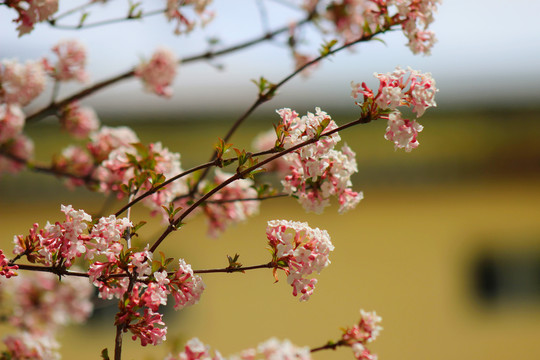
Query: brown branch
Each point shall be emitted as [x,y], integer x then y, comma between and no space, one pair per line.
[105,22]
[46,169]
[269,93]
[64,272]
[173,226]
[329,346]
[54,107]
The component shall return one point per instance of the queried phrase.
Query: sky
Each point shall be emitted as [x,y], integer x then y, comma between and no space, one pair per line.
[487,54]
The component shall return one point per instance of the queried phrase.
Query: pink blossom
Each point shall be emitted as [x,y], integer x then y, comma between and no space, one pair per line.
[71,61]
[362,353]
[146,328]
[176,11]
[274,349]
[228,211]
[350,17]
[415,17]
[402,132]
[105,237]
[118,170]
[11,121]
[186,287]
[316,171]
[158,73]
[76,161]
[32,346]
[20,84]
[22,148]
[79,121]
[305,250]
[266,141]
[359,335]
[39,301]
[32,12]
[107,139]
[314,180]
[56,244]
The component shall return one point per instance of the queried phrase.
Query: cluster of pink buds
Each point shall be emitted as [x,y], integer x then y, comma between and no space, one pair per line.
[32,12]
[409,88]
[316,171]
[228,206]
[359,335]
[158,73]
[301,251]
[6,270]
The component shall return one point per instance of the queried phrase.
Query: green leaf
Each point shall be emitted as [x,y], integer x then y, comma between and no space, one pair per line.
[327,47]
[105,354]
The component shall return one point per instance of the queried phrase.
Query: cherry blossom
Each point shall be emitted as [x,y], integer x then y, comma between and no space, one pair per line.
[32,12]
[126,162]
[409,88]
[227,212]
[176,11]
[71,61]
[22,148]
[106,139]
[79,121]
[39,302]
[20,84]
[11,121]
[402,132]
[302,249]
[357,336]
[158,73]
[36,346]
[76,161]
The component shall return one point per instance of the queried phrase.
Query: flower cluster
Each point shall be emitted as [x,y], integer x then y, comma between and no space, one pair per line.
[139,309]
[56,244]
[71,61]
[115,269]
[158,73]
[79,121]
[228,206]
[6,270]
[176,11]
[271,349]
[301,251]
[400,88]
[365,331]
[25,345]
[38,306]
[353,19]
[316,171]
[20,84]
[32,12]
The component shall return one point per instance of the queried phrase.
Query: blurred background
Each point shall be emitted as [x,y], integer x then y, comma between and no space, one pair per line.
[446,244]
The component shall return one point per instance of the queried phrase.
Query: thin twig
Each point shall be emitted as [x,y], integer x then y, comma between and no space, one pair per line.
[52,108]
[173,226]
